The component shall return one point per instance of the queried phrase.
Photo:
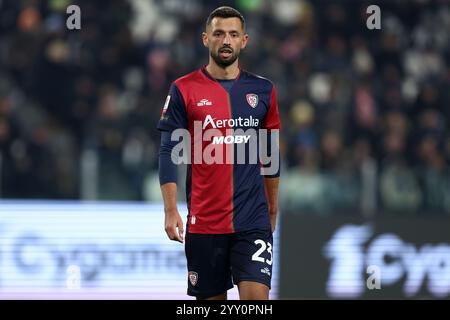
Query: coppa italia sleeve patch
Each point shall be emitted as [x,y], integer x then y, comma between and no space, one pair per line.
[166,106]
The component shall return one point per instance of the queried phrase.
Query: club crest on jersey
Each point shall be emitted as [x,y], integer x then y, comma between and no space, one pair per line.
[193,277]
[252,99]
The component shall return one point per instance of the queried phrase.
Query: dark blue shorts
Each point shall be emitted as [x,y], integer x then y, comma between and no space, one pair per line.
[216,261]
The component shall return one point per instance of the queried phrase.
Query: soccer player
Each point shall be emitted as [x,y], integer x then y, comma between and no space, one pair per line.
[232,205]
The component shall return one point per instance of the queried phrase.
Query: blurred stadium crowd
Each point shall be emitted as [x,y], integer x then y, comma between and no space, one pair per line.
[364,112]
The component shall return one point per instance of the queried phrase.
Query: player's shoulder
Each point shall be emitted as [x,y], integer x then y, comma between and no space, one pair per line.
[260,80]
[187,78]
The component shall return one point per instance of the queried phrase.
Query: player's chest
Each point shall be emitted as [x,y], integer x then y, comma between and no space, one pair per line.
[218,104]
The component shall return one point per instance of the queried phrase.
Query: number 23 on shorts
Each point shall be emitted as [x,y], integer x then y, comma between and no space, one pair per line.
[262,247]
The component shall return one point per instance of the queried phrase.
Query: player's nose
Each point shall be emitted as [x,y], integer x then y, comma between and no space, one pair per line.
[227,39]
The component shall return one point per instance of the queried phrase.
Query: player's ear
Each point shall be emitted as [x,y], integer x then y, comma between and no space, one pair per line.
[205,39]
[244,41]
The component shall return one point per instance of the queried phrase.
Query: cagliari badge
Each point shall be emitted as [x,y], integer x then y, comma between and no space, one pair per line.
[193,277]
[252,99]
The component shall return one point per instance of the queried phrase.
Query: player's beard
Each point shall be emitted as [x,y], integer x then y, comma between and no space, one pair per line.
[224,62]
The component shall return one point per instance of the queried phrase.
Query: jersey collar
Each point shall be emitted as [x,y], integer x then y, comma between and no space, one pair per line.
[209,76]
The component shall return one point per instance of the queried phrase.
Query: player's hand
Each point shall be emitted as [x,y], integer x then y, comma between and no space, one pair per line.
[173,222]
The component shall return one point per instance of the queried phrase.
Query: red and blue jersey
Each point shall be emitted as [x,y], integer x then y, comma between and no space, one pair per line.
[222,197]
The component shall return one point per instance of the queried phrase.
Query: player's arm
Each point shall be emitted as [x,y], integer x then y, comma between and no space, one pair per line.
[271,187]
[272,177]
[172,220]
[173,117]
[173,223]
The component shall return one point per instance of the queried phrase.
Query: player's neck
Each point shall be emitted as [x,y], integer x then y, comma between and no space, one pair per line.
[227,73]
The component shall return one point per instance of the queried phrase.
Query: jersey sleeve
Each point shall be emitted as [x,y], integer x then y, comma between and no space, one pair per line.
[174,113]
[167,169]
[272,118]
[272,122]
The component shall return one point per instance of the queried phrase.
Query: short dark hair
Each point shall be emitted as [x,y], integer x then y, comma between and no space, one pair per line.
[225,12]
